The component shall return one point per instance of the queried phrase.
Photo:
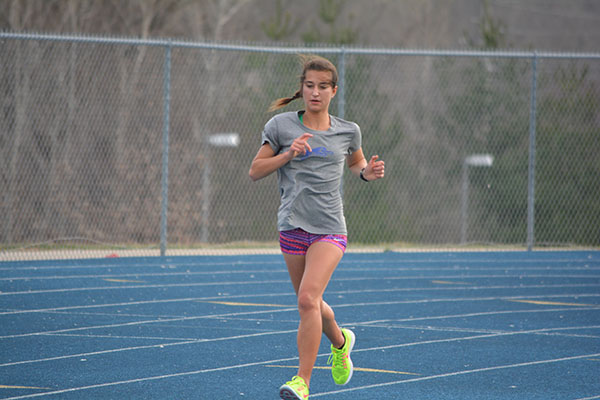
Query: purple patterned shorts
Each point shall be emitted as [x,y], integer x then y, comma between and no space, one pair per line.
[297,241]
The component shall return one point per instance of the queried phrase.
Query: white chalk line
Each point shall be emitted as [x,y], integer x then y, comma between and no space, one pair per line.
[284,281]
[457,373]
[317,394]
[154,346]
[293,309]
[367,324]
[244,260]
[289,293]
[176,271]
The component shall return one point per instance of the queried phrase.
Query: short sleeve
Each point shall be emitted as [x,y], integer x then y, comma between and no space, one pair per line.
[269,135]
[356,141]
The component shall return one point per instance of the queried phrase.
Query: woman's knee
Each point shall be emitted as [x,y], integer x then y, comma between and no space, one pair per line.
[308,302]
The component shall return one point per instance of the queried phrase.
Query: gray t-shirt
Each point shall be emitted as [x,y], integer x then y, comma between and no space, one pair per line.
[309,185]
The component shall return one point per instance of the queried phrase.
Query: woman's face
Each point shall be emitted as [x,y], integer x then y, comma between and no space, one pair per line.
[317,91]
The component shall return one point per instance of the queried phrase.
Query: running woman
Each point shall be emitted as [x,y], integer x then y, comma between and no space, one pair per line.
[307,148]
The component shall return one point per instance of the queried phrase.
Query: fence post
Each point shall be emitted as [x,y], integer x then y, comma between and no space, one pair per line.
[531,168]
[165,150]
[341,112]
[342,84]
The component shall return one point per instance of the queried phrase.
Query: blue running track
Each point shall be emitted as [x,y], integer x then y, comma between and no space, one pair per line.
[465,325]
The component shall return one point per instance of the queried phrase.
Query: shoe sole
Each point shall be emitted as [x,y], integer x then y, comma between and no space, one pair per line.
[288,394]
[352,342]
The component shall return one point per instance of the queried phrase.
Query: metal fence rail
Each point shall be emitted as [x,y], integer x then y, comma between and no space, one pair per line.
[108,144]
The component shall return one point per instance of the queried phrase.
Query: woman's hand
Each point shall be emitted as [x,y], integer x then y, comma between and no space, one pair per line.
[266,161]
[300,146]
[374,169]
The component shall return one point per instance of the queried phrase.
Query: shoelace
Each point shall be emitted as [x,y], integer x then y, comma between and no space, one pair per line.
[337,358]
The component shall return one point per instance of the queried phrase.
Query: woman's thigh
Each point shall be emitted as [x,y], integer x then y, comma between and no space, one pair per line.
[321,260]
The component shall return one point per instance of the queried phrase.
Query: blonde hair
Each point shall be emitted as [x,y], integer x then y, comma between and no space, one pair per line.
[309,63]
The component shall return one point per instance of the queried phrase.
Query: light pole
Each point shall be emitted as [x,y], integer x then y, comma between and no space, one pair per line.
[215,140]
[475,160]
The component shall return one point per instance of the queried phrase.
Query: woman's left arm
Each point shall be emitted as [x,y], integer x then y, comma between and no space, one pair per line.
[372,170]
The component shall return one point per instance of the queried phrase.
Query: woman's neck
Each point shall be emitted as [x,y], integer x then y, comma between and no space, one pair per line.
[316,121]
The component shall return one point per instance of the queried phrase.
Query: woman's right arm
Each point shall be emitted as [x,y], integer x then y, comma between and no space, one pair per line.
[266,162]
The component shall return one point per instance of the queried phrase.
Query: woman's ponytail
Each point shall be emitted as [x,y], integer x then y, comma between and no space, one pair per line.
[284,101]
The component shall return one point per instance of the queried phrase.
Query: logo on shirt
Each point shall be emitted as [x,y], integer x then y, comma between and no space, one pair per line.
[317,152]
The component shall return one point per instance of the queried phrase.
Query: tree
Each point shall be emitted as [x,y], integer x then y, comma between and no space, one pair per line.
[329,12]
[567,198]
[280,26]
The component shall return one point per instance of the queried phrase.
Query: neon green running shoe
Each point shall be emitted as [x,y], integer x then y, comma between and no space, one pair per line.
[295,389]
[341,364]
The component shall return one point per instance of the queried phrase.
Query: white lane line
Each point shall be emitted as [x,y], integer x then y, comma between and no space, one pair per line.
[329,293]
[150,264]
[225,368]
[457,373]
[292,309]
[243,261]
[281,281]
[176,271]
[162,345]
[475,337]
[154,321]
[387,323]
[498,334]
[146,274]
[487,313]
[475,330]
[175,375]
[128,287]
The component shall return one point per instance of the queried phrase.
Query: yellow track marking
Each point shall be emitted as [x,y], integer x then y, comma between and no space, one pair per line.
[122,280]
[553,303]
[232,303]
[450,283]
[20,387]
[355,368]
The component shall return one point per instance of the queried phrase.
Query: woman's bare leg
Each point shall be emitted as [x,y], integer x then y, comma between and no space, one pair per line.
[310,275]
[330,327]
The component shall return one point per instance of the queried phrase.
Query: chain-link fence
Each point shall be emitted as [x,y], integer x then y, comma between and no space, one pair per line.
[143,147]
